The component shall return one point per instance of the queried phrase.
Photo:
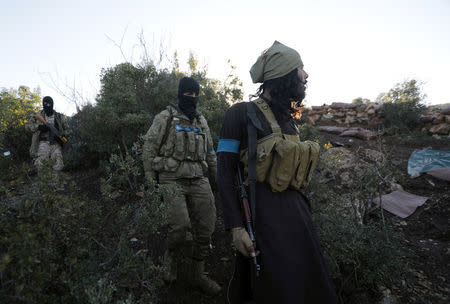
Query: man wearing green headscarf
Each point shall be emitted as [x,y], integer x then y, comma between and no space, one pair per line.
[258,137]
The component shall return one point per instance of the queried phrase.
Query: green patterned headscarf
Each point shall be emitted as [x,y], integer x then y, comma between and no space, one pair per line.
[276,61]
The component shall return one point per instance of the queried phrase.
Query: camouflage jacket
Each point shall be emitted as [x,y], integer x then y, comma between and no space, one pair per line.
[32,125]
[176,147]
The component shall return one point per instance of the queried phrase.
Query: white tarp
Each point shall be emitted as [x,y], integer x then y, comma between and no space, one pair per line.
[401,203]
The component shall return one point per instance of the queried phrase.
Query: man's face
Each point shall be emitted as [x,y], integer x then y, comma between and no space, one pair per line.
[299,95]
[303,76]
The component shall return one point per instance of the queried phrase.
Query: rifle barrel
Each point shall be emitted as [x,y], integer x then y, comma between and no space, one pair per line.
[248,218]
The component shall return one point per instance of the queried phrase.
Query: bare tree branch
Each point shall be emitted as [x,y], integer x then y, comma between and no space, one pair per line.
[69,91]
[119,45]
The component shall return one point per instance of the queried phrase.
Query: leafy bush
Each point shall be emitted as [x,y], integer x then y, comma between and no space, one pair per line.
[360,258]
[5,163]
[402,118]
[360,247]
[361,100]
[16,108]
[308,132]
[58,246]
[402,107]
[129,98]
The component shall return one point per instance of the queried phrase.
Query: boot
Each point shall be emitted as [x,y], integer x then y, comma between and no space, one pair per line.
[171,262]
[200,280]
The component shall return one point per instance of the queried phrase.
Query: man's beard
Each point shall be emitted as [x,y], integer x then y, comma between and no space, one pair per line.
[282,108]
[299,93]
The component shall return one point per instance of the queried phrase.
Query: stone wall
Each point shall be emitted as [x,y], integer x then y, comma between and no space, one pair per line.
[436,121]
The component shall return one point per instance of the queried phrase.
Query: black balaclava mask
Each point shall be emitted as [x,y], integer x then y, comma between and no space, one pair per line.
[47,103]
[188,104]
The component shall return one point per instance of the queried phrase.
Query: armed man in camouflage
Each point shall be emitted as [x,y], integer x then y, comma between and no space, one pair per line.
[48,127]
[178,152]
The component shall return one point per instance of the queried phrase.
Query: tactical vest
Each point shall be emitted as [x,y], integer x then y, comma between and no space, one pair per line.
[283,161]
[35,139]
[183,152]
[51,120]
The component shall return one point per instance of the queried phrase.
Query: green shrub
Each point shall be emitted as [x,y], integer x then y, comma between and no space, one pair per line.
[360,257]
[360,100]
[402,107]
[16,108]
[360,247]
[58,246]
[5,163]
[401,118]
[309,132]
[129,98]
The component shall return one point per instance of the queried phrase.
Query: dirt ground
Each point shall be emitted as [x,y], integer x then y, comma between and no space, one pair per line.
[427,231]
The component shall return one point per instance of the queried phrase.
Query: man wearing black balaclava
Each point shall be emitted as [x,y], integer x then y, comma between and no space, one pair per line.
[179,153]
[45,144]
[188,91]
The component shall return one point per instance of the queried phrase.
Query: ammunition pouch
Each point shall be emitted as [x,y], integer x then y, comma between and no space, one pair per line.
[179,169]
[185,141]
[282,160]
[183,152]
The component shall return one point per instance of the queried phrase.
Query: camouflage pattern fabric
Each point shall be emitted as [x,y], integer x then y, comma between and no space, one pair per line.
[180,152]
[47,151]
[32,125]
[187,150]
[191,207]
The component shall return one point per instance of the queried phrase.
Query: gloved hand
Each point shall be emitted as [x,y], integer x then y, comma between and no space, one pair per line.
[43,128]
[242,242]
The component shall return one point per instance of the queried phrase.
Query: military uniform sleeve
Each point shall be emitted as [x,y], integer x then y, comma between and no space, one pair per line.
[233,133]
[32,124]
[211,158]
[152,142]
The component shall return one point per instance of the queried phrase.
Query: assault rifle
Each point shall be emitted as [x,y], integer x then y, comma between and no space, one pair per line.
[59,138]
[248,217]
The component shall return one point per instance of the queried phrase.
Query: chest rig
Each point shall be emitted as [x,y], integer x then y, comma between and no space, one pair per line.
[282,160]
[183,148]
[186,140]
[55,120]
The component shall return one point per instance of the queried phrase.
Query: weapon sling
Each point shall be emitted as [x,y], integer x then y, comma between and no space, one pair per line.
[253,123]
[166,132]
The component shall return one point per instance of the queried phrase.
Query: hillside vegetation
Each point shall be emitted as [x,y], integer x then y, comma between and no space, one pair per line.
[97,233]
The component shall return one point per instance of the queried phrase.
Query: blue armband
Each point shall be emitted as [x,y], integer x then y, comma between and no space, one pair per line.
[229,145]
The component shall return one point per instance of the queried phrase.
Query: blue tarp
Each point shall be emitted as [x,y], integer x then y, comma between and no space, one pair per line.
[426,160]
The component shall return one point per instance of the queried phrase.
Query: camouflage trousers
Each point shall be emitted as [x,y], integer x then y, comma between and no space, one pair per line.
[46,152]
[191,208]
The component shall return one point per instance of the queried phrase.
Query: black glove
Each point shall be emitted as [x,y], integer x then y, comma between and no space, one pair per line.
[43,128]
